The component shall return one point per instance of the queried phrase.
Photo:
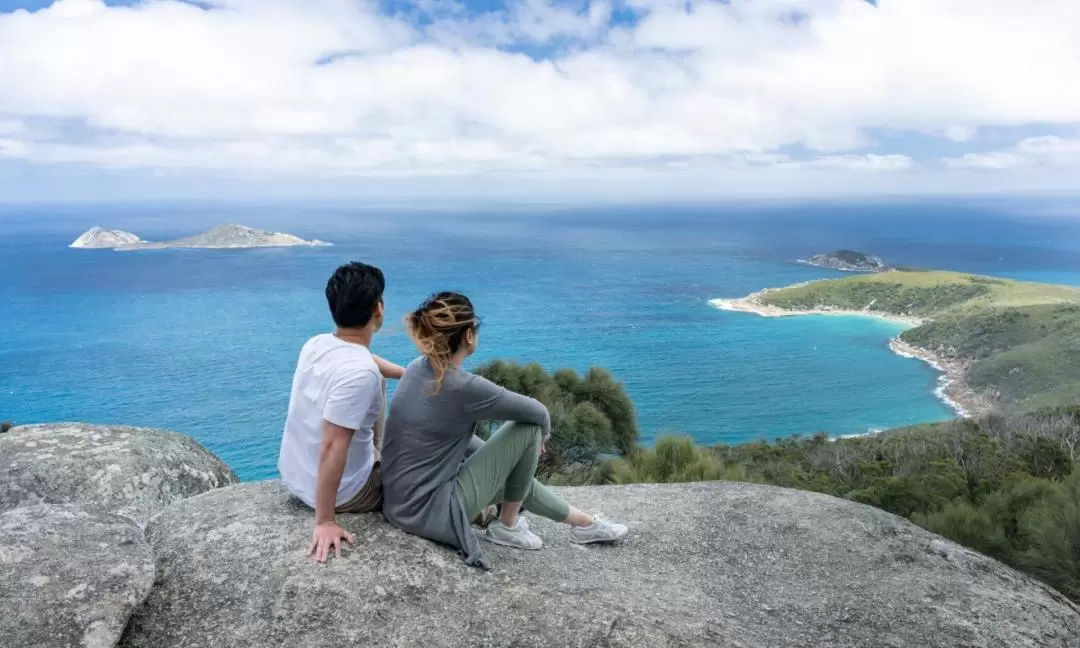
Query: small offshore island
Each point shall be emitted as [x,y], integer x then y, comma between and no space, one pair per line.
[1000,343]
[221,237]
[848,261]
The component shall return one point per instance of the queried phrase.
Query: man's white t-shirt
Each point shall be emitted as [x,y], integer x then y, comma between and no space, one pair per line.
[337,381]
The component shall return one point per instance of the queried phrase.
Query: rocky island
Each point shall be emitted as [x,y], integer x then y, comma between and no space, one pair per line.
[998,342]
[100,238]
[141,538]
[848,261]
[221,237]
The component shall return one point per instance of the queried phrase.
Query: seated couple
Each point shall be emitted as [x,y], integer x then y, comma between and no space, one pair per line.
[426,470]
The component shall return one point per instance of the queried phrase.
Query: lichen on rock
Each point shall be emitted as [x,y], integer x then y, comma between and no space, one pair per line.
[124,470]
[718,564]
[69,576]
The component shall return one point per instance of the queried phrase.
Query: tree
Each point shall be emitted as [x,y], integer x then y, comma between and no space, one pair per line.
[5,426]
[591,415]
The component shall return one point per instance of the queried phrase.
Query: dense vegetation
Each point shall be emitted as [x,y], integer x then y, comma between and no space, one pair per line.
[849,259]
[1003,485]
[1022,340]
[591,415]
[5,426]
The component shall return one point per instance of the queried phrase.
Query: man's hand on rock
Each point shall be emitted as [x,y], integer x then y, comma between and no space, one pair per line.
[327,536]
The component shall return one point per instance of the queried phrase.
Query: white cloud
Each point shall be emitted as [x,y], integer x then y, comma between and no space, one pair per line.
[870,162]
[164,85]
[960,133]
[1042,151]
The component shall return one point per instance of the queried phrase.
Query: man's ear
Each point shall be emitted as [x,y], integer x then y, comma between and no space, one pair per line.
[377,317]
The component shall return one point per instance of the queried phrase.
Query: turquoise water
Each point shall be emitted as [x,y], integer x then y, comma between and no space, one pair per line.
[203,341]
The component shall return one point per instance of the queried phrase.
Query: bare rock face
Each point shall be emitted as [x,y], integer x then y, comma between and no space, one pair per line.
[219,237]
[69,577]
[718,564]
[100,238]
[129,471]
[236,236]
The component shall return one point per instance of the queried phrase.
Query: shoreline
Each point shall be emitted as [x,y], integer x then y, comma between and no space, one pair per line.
[952,388]
[753,304]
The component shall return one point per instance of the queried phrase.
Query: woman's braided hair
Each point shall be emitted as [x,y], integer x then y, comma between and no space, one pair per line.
[438,329]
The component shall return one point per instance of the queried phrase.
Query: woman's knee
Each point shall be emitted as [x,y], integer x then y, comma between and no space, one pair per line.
[528,431]
[531,429]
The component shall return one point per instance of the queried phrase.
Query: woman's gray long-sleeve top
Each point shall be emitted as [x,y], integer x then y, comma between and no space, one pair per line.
[427,439]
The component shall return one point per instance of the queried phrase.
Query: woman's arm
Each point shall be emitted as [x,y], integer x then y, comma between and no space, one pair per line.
[388,369]
[487,401]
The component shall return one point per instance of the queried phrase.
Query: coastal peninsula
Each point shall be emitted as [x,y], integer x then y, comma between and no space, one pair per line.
[221,237]
[999,343]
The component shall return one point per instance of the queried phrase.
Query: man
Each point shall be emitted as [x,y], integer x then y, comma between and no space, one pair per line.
[330,446]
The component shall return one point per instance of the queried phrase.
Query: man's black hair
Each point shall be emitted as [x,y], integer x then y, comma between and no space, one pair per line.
[353,292]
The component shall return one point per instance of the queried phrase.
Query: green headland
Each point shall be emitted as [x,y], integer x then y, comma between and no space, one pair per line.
[1005,344]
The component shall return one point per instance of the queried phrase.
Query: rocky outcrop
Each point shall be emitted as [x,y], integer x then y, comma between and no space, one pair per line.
[129,471]
[221,236]
[719,564]
[848,260]
[69,577]
[100,238]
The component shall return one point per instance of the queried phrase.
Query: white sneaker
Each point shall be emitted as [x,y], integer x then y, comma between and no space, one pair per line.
[600,530]
[519,537]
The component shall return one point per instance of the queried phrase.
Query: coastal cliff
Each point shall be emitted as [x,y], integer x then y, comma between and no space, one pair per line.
[229,236]
[998,342]
[706,565]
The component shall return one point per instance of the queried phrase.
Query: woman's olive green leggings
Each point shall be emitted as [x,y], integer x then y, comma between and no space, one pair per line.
[501,470]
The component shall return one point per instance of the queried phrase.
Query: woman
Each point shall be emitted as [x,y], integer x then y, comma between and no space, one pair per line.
[432,485]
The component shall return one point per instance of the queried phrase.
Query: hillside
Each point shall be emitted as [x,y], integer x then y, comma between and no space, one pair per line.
[1016,343]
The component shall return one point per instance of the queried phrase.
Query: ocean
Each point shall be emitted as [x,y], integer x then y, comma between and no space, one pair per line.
[203,341]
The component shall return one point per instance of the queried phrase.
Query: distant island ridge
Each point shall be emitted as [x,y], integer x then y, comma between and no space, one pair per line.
[230,236]
[999,343]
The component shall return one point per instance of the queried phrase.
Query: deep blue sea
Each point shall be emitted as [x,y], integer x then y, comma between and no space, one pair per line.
[204,341]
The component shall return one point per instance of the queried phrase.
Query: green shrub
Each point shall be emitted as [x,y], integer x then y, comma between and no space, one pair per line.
[591,415]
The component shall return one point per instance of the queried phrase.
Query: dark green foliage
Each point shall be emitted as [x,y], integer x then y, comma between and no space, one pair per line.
[1006,486]
[850,256]
[5,426]
[591,415]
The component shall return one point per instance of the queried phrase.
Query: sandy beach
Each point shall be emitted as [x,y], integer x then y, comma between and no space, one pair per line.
[754,304]
[952,388]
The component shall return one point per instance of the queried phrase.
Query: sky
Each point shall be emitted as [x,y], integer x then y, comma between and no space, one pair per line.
[536,99]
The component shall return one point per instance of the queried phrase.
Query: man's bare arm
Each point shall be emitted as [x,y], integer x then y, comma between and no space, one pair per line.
[332,455]
[389,369]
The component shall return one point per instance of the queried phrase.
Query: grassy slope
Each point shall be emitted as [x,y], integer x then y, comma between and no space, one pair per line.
[1023,339]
